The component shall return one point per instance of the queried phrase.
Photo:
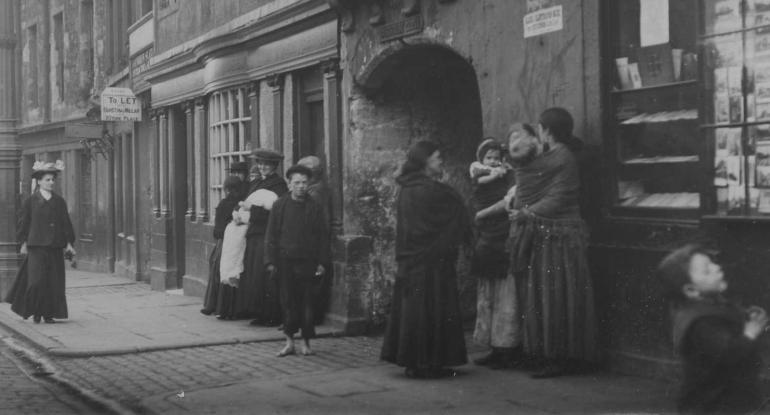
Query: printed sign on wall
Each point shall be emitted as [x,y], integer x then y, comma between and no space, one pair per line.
[120,104]
[543,20]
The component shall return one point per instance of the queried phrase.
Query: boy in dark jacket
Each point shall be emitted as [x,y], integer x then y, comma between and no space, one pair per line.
[296,246]
[715,339]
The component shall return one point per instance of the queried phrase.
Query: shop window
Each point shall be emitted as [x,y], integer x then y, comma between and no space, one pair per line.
[654,134]
[735,38]
[229,119]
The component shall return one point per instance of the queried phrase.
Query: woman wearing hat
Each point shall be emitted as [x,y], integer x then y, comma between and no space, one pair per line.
[425,331]
[257,293]
[46,235]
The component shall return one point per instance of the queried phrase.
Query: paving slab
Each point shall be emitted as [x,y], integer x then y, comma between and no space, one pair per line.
[113,315]
[383,389]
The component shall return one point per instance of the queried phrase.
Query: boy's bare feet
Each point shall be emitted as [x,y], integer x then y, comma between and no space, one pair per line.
[306,351]
[287,350]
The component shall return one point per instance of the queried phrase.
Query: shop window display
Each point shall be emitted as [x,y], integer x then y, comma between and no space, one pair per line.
[735,41]
[690,107]
[654,102]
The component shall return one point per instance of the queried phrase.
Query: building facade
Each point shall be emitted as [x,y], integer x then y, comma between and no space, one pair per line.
[669,103]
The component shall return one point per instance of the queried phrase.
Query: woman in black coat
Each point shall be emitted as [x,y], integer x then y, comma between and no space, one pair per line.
[46,235]
[425,333]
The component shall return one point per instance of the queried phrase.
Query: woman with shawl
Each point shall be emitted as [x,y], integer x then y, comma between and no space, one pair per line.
[548,247]
[425,333]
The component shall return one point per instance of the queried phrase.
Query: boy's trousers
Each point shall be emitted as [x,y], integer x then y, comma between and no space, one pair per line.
[298,285]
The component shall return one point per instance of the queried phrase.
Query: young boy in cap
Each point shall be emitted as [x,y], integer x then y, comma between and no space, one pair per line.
[716,339]
[296,247]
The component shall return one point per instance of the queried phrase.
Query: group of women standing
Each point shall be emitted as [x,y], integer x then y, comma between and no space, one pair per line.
[535,290]
[255,294]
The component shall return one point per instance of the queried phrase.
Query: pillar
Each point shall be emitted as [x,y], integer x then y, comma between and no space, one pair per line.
[155,165]
[189,108]
[10,151]
[333,135]
[163,146]
[201,161]
[276,83]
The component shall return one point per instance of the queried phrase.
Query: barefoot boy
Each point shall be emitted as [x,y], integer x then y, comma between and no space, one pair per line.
[715,339]
[296,244]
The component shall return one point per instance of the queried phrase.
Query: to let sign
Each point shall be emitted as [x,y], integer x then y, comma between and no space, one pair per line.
[120,104]
[543,21]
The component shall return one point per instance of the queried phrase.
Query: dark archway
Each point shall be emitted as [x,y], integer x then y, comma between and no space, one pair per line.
[409,93]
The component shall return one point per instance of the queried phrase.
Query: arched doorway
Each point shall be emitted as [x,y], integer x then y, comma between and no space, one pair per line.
[408,94]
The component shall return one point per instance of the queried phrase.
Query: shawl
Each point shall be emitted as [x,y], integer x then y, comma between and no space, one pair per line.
[432,220]
[549,186]
[259,215]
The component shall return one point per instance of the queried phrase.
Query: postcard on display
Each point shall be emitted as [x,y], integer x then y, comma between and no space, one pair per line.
[734,80]
[761,134]
[720,170]
[762,92]
[735,197]
[721,109]
[634,76]
[761,44]
[734,166]
[733,141]
[762,167]
[720,80]
[763,204]
[736,108]
[722,198]
[727,15]
[721,137]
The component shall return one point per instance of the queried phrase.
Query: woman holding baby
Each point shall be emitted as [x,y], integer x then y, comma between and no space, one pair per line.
[258,292]
[548,254]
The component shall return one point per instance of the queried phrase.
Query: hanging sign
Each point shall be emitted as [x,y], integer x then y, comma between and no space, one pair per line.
[543,21]
[120,104]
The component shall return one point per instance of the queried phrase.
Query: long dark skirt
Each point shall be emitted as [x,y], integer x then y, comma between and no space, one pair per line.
[259,293]
[212,288]
[555,289]
[425,327]
[226,299]
[39,286]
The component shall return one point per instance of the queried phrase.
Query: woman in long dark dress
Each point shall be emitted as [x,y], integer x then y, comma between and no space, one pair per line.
[549,246]
[45,233]
[258,293]
[224,214]
[425,332]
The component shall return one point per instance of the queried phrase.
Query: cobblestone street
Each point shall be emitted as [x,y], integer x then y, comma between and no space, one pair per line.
[130,378]
[26,389]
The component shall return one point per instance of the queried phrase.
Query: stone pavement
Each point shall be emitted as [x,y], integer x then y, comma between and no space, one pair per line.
[111,315]
[152,352]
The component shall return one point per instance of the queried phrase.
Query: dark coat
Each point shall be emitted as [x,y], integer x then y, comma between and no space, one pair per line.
[425,325]
[721,365]
[224,214]
[45,222]
[314,246]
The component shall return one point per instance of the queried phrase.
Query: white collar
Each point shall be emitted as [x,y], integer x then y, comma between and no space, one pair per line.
[46,194]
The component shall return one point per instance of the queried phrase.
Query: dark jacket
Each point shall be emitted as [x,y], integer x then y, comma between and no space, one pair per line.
[224,214]
[721,365]
[315,243]
[45,222]
[259,215]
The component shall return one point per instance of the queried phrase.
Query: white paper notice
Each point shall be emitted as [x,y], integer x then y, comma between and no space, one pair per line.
[653,22]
